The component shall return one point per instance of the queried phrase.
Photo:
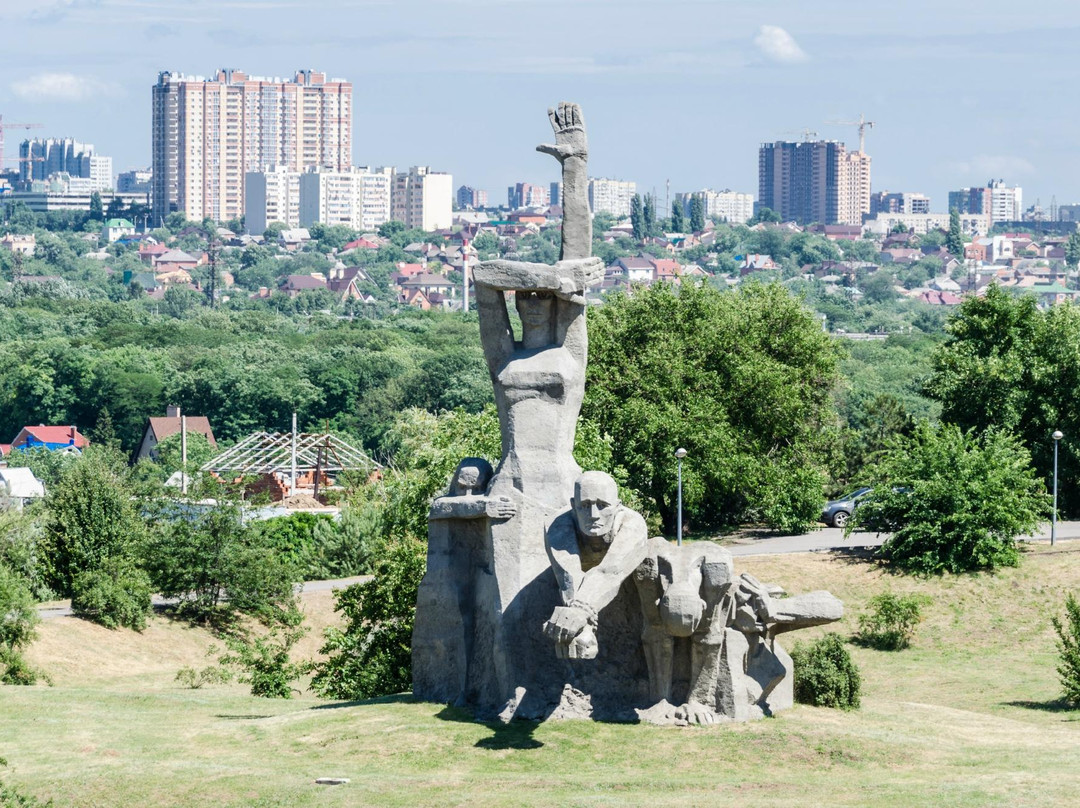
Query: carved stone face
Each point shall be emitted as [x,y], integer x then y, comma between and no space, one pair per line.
[534,308]
[472,475]
[595,503]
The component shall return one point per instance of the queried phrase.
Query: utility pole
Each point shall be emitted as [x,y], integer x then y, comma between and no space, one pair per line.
[183,454]
[211,288]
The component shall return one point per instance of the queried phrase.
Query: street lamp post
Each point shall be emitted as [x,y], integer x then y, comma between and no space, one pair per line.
[1057,436]
[680,454]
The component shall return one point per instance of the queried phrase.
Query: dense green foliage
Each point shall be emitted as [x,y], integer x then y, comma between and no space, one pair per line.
[264,660]
[90,518]
[1007,365]
[1069,648]
[742,380]
[953,501]
[18,621]
[825,674]
[371,655]
[114,594]
[890,622]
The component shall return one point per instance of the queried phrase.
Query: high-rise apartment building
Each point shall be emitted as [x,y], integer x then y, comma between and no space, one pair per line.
[527,195]
[209,133]
[358,198]
[728,205]
[814,181]
[272,195]
[135,181]
[43,158]
[1002,202]
[898,202]
[422,198]
[471,198]
[611,196]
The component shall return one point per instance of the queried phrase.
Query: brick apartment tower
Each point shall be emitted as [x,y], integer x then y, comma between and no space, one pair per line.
[814,181]
[207,133]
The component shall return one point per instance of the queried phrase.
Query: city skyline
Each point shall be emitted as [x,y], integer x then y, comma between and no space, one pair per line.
[684,90]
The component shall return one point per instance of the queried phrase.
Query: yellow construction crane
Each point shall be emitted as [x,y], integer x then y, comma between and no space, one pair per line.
[862,123]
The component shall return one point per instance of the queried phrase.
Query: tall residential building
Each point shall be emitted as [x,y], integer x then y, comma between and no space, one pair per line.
[471,198]
[611,196]
[898,202]
[135,181]
[1001,202]
[814,181]
[209,133]
[555,193]
[273,195]
[423,198]
[727,205]
[358,198]
[527,195]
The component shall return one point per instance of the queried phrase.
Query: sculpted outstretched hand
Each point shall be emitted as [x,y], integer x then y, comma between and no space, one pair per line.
[569,126]
[500,508]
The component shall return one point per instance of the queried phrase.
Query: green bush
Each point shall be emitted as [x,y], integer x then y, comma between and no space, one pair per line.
[825,674]
[952,501]
[1069,649]
[210,675]
[372,656]
[264,660]
[18,621]
[114,594]
[890,623]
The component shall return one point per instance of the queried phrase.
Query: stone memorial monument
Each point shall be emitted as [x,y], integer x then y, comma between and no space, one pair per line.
[544,597]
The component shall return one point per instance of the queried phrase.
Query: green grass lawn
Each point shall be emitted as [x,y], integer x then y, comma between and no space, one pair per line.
[966,717]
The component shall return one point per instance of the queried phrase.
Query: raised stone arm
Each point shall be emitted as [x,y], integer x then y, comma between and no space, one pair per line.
[566,279]
[472,506]
[571,149]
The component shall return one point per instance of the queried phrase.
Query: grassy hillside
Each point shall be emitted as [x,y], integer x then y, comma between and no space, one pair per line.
[967,717]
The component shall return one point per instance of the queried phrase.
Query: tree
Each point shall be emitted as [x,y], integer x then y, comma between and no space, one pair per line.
[637,219]
[648,215]
[953,501]
[763,214]
[694,367]
[115,210]
[97,213]
[1072,249]
[168,452]
[954,240]
[273,231]
[89,519]
[697,213]
[678,222]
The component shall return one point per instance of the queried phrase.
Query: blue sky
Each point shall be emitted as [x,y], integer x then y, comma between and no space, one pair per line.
[672,89]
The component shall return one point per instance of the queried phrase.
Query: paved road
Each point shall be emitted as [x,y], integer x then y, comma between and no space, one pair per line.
[746,544]
[832,538]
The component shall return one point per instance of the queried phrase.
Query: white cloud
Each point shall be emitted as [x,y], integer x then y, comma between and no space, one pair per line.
[778,45]
[62,87]
[994,166]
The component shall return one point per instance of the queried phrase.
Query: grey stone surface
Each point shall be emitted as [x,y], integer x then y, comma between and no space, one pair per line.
[544,596]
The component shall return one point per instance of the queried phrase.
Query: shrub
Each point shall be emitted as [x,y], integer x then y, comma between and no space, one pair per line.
[825,674]
[372,656]
[1069,649]
[18,619]
[264,660]
[210,675]
[890,623]
[953,501]
[114,594]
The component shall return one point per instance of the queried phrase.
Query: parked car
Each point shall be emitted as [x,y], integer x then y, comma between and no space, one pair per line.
[838,511]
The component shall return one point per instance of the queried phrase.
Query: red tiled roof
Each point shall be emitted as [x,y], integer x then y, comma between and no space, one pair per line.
[54,434]
[164,426]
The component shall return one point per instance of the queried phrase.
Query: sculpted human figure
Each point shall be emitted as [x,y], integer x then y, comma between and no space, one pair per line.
[594,546]
[539,380]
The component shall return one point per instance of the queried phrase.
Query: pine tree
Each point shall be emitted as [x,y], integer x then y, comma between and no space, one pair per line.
[97,212]
[648,215]
[678,221]
[637,221]
[954,240]
[1072,250]
[697,214]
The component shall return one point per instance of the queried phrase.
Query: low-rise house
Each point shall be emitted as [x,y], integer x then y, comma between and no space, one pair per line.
[429,282]
[635,270]
[157,429]
[936,298]
[294,239]
[756,262]
[116,229]
[24,244]
[19,487]
[52,438]
[148,253]
[177,258]
[295,284]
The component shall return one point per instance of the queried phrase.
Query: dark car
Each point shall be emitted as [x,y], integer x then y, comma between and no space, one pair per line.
[838,511]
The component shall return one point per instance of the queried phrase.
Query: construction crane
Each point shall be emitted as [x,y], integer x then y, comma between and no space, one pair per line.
[807,133]
[862,123]
[4,126]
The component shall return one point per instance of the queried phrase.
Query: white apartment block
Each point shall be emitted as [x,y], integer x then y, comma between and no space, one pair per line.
[209,133]
[853,188]
[101,172]
[972,224]
[727,205]
[611,196]
[422,198]
[273,195]
[1006,204]
[358,198]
